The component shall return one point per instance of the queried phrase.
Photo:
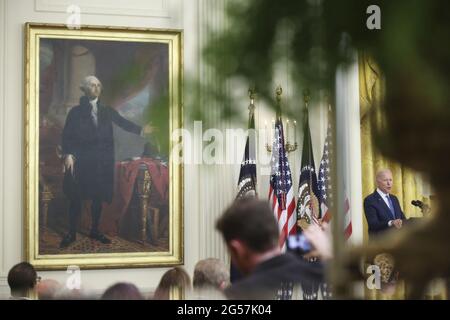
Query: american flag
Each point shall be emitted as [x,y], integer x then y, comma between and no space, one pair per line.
[325,183]
[281,193]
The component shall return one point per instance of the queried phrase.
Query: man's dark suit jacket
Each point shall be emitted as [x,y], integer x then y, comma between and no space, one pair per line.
[267,278]
[378,213]
[93,149]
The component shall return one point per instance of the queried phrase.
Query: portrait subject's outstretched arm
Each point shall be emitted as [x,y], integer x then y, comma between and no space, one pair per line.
[125,124]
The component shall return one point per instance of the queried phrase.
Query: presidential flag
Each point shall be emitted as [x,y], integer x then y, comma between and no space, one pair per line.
[308,210]
[247,174]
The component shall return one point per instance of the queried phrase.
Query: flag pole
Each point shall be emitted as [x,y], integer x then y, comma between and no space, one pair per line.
[338,274]
[251,107]
[278,93]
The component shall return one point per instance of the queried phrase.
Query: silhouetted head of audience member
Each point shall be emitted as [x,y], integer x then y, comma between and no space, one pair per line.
[22,279]
[211,273]
[74,294]
[48,289]
[175,278]
[122,291]
[250,231]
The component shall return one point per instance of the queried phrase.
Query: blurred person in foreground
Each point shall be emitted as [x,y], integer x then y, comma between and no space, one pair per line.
[174,279]
[122,291]
[22,280]
[321,241]
[211,277]
[251,234]
[48,289]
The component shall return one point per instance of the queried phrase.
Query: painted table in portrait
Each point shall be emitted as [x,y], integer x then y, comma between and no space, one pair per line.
[101,189]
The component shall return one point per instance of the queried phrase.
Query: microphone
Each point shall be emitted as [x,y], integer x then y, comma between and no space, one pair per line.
[425,208]
[417,203]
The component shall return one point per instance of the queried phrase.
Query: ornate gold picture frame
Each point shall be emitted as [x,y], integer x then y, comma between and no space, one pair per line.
[101,189]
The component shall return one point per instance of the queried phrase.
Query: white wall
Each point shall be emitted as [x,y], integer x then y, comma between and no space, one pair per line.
[2,137]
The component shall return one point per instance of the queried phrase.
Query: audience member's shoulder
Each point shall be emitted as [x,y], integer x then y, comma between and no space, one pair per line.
[248,287]
[313,268]
[264,282]
[206,294]
[292,258]
[250,290]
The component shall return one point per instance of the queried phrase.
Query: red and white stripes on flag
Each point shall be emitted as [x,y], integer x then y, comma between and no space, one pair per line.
[325,184]
[281,191]
[347,219]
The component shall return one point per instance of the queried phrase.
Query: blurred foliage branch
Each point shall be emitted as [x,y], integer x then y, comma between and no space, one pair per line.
[323,34]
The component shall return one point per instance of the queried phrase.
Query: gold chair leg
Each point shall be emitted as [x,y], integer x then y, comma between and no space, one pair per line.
[46,198]
[144,210]
[155,224]
[143,189]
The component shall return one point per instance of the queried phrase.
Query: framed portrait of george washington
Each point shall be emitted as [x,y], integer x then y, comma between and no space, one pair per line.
[101,189]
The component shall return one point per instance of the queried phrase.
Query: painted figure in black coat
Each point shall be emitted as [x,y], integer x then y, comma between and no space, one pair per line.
[251,234]
[88,148]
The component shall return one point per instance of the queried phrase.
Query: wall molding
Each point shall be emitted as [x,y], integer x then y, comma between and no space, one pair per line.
[3,35]
[140,8]
[214,180]
[4,288]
